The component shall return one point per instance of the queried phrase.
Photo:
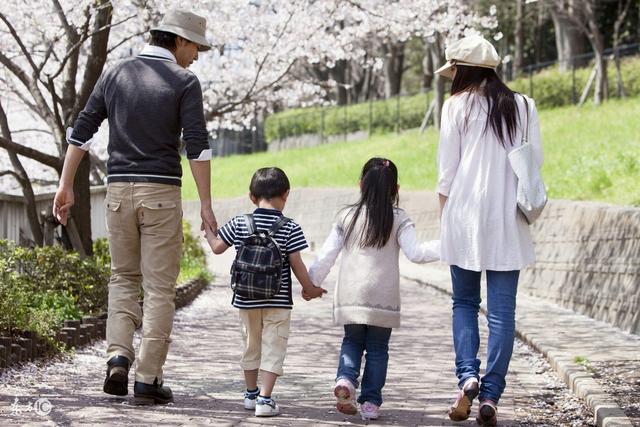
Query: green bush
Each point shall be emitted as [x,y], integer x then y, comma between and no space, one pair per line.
[551,88]
[382,115]
[42,287]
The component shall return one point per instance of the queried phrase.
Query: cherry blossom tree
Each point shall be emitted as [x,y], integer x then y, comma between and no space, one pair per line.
[53,51]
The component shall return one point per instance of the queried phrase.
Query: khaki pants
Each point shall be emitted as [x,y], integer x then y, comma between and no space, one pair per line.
[145,241]
[265,332]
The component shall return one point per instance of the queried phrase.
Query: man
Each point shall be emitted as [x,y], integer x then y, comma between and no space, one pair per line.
[149,100]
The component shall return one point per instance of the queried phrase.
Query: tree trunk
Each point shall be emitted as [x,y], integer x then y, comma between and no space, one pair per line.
[596,39]
[518,57]
[338,74]
[623,9]
[427,68]
[437,59]
[25,183]
[393,68]
[569,39]
[81,210]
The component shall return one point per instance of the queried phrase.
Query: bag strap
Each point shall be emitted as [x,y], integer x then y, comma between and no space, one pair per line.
[278,225]
[525,131]
[251,224]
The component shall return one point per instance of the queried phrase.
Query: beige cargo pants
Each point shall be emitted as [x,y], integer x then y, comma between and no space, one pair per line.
[144,224]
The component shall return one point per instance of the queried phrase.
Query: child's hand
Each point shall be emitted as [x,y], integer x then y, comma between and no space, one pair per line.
[314,292]
[208,234]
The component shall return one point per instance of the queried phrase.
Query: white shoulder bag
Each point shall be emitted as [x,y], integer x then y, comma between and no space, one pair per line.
[531,192]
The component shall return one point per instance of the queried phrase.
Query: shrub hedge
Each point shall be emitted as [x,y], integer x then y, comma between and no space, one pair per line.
[41,287]
[551,88]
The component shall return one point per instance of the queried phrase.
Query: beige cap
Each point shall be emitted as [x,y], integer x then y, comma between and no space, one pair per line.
[186,25]
[473,50]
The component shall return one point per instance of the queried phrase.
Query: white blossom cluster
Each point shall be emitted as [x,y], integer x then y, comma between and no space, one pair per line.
[257,46]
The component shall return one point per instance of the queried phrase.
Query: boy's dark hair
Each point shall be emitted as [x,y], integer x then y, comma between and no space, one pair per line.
[163,39]
[268,183]
[378,197]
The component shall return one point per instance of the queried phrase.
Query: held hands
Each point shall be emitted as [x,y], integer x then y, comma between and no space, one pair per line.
[313,292]
[209,222]
[62,203]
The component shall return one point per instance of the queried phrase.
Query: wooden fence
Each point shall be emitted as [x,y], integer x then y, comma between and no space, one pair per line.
[14,224]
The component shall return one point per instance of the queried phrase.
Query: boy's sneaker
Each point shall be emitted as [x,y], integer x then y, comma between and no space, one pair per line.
[369,411]
[487,413]
[266,407]
[461,408]
[250,399]
[345,394]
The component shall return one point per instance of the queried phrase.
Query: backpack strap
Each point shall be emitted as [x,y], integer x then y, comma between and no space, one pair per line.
[251,224]
[278,225]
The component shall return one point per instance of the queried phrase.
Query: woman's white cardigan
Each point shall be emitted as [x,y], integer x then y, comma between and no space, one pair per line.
[481,226]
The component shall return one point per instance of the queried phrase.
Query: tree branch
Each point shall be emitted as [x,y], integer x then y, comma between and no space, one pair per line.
[126,39]
[46,159]
[83,39]
[23,48]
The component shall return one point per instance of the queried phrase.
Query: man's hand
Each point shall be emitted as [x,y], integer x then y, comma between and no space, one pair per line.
[313,292]
[209,223]
[62,203]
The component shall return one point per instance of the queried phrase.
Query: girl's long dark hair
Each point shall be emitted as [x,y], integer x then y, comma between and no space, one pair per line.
[378,197]
[502,116]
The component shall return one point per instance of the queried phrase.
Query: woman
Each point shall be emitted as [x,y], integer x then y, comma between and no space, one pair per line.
[481,227]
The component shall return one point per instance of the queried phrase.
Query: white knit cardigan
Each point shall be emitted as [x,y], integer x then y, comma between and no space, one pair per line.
[368,287]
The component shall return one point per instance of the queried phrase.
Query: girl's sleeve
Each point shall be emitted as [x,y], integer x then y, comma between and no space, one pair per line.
[448,149]
[319,270]
[534,134]
[415,251]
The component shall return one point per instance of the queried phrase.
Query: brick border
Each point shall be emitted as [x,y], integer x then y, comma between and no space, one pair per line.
[76,332]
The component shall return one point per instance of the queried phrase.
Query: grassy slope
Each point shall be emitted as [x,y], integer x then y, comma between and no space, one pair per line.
[591,153]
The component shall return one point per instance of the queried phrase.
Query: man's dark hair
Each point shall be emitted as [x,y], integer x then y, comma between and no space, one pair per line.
[268,183]
[163,39]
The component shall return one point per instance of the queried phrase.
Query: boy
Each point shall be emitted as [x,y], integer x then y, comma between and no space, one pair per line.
[265,322]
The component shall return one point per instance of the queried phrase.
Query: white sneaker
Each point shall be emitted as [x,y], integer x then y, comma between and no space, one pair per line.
[250,400]
[266,408]
[369,411]
[345,394]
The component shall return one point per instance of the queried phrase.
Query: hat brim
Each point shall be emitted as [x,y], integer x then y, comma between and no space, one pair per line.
[203,44]
[446,70]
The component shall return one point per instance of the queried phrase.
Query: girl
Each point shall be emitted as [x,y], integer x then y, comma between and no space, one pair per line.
[370,234]
[481,227]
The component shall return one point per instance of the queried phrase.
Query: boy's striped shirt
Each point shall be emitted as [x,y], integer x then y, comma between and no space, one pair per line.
[290,238]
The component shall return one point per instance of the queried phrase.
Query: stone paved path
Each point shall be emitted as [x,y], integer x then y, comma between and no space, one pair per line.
[203,372]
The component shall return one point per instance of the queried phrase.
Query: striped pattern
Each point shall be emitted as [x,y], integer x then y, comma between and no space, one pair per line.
[290,238]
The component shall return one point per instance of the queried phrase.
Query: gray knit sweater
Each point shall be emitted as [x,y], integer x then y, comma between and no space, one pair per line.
[149,101]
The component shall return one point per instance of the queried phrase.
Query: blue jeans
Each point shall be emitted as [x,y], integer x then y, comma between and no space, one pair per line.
[375,340]
[501,311]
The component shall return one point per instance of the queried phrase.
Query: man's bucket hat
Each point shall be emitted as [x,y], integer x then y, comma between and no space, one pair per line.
[475,51]
[186,25]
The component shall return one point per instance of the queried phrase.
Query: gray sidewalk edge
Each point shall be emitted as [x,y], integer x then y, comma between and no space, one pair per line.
[607,412]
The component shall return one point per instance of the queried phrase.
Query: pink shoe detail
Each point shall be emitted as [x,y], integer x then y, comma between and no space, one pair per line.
[369,411]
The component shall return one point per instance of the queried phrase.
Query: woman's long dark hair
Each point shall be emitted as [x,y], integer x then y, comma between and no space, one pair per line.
[502,116]
[378,197]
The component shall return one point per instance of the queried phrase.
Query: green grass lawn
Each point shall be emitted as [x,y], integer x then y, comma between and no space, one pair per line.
[592,153]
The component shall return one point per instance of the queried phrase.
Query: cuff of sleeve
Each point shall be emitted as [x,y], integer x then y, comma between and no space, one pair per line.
[81,145]
[443,189]
[204,155]
[224,238]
